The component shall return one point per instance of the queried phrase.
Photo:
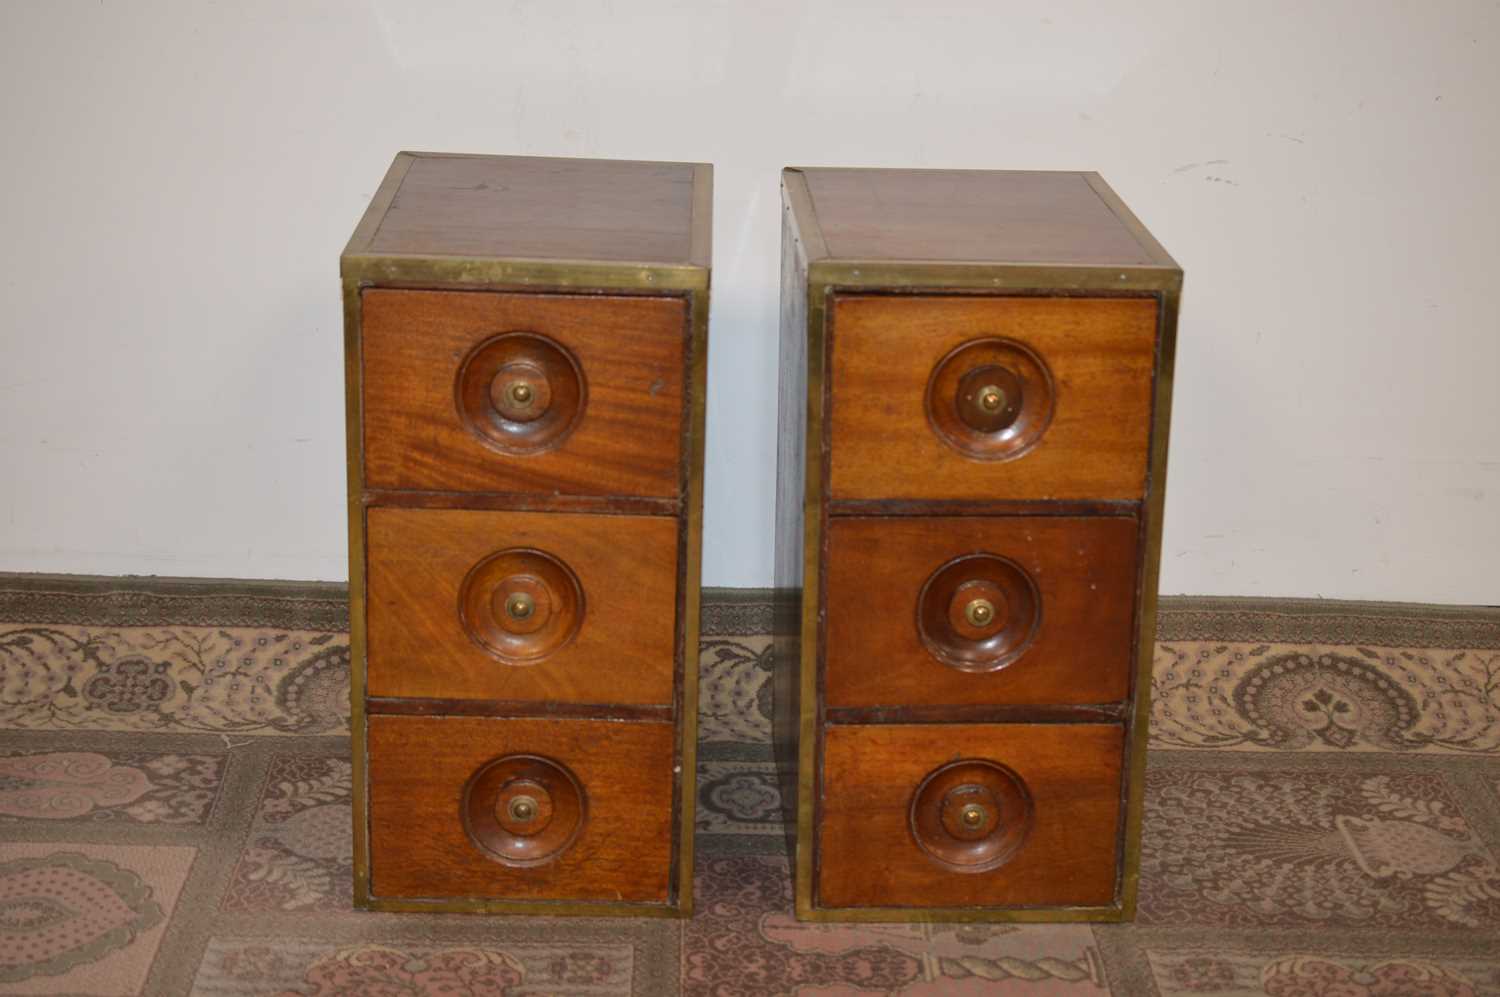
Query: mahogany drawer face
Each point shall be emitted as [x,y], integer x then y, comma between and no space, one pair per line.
[990,398]
[482,605]
[969,815]
[970,610]
[521,393]
[523,809]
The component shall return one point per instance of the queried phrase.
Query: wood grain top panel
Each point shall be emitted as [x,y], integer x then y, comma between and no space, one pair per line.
[527,207]
[980,216]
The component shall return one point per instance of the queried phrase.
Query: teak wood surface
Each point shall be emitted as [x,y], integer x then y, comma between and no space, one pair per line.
[884,273]
[1085,572]
[1100,351]
[418,769]
[610,260]
[622,653]
[867,855]
[971,215]
[527,207]
[631,351]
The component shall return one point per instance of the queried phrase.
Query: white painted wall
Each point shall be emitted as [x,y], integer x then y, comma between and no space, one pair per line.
[179,178]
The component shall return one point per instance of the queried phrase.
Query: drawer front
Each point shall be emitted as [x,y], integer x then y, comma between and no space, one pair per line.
[520,809]
[963,815]
[991,398]
[511,393]
[468,604]
[971,610]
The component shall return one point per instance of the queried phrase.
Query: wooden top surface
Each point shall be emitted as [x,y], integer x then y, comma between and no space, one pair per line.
[969,216]
[531,208]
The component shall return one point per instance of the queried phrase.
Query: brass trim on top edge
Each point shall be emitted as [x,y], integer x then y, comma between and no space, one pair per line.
[581,276]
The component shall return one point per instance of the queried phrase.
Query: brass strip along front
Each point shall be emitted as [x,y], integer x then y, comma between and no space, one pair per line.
[523,275]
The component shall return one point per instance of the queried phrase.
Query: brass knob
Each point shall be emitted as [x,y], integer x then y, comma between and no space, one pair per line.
[520,606]
[520,392]
[980,612]
[973,815]
[522,808]
[992,398]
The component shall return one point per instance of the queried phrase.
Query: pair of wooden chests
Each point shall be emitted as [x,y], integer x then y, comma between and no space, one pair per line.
[974,403]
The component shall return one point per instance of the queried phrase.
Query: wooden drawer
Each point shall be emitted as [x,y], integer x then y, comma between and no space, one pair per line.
[445,823]
[895,799]
[605,376]
[602,625]
[1074,401]
[1053,598]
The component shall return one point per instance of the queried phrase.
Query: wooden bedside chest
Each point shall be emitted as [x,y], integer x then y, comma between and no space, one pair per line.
[976,385]
[526,348]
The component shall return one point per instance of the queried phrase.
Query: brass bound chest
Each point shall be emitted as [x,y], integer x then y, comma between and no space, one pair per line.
[975,399]
[525,359]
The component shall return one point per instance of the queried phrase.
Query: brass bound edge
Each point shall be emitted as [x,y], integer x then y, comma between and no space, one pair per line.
[360,270]
[822,278]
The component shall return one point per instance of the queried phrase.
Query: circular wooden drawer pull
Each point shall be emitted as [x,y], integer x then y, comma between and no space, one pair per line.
[521,393]
[979,612]
[523,810]
[521,605]
[971,815]
[990,399]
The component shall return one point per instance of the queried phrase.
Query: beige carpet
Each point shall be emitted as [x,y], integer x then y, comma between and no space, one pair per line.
[1323,819]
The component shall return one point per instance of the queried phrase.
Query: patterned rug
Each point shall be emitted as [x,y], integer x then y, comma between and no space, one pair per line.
[1323,819]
